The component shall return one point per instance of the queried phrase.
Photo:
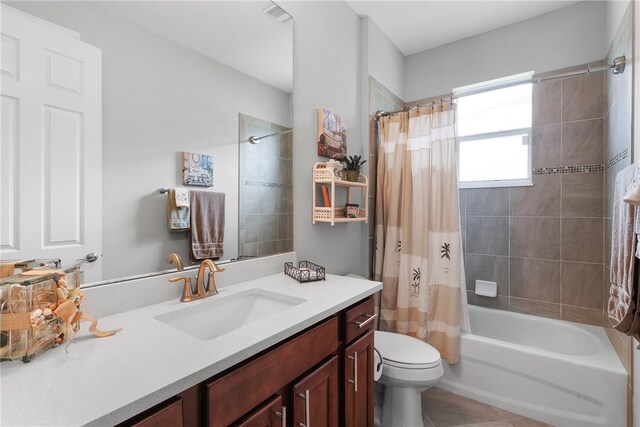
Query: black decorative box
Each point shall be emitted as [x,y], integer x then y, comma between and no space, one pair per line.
[305,272]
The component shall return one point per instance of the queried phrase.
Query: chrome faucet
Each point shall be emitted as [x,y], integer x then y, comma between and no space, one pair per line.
[201,291]
[174,258]
[211,287]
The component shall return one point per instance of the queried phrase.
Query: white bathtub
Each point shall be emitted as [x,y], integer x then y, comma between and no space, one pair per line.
[558,372]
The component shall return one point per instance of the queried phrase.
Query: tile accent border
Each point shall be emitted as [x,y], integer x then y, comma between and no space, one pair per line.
[266,184]
[617,159]
[569,169]
[583,168]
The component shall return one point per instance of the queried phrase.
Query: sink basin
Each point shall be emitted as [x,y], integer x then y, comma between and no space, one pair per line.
[218,315]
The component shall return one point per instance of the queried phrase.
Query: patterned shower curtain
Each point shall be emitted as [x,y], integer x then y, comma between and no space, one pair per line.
[418,252]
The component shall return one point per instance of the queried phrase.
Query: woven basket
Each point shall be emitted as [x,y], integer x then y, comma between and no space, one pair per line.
[19,298]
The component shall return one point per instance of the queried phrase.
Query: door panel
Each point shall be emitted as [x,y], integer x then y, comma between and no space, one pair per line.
[51,149]
[9,219]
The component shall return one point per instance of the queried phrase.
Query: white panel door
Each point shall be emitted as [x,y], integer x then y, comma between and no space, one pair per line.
[50,154]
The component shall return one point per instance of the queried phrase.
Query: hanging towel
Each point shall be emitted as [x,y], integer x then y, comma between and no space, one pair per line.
[177,217]
[207,225]
[623,304]
[182,197]
[633,198]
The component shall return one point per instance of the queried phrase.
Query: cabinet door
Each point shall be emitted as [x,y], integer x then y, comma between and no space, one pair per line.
[315,397]
[358,382]
[271,414]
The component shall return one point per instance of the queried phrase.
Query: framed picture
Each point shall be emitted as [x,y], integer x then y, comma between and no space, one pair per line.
[332,135]
[197,169]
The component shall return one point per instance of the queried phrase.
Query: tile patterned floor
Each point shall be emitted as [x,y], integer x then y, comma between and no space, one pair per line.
[445,409]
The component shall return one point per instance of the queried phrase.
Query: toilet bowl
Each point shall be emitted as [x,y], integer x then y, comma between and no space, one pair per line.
[409,367]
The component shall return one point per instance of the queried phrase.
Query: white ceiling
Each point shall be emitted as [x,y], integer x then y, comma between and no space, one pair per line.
[416,26]
[240,35]
[236,33]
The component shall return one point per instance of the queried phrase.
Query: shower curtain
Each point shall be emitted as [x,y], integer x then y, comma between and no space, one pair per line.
[418,251]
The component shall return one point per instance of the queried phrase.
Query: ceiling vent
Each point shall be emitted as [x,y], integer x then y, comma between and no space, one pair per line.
[277,13]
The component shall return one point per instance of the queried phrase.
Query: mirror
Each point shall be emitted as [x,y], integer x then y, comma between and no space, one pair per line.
[184,76]
[266,196]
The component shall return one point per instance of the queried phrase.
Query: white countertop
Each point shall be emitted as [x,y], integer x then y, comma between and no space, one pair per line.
[103,381]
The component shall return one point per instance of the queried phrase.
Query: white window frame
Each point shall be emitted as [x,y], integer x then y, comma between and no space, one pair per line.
[528,181]
[501,83]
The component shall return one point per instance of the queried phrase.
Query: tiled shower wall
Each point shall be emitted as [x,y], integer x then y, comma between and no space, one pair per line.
[543,244]
[380,98]
[618,143]
[266,205]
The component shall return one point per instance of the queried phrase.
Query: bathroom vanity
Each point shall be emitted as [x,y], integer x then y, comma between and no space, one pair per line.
[319,377]
[272,352]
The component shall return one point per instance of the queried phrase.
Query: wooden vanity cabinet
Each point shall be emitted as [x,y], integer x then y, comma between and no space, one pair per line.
[322,377]
[232,395]
[358,384]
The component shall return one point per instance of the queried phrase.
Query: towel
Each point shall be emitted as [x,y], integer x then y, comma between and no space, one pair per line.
[623,300]
[633,198]
[177,217]
[207,225]
[182,197]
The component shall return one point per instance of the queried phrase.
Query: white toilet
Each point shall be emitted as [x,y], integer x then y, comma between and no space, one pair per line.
[409,367]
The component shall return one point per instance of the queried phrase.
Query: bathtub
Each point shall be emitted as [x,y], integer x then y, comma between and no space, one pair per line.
[558,372]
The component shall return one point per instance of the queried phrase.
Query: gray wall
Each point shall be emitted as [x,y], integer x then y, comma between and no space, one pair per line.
[617,151]
[384,60]
[563,38]
[615,13]
[160,99]
[326,67]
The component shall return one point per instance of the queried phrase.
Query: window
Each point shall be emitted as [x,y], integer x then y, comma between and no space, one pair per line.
[494,133]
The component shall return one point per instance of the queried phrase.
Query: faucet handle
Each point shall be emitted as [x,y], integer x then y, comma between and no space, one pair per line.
[187,294]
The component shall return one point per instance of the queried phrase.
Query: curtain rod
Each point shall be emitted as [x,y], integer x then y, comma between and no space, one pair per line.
[616,67]
[256,139]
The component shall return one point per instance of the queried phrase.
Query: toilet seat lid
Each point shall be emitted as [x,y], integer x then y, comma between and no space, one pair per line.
[404,351]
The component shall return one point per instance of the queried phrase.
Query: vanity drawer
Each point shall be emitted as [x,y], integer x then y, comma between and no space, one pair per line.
[235,394]
[359,319]
[169,414]
[272,414]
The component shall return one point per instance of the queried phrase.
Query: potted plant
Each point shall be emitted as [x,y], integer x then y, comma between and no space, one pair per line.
[353,166]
